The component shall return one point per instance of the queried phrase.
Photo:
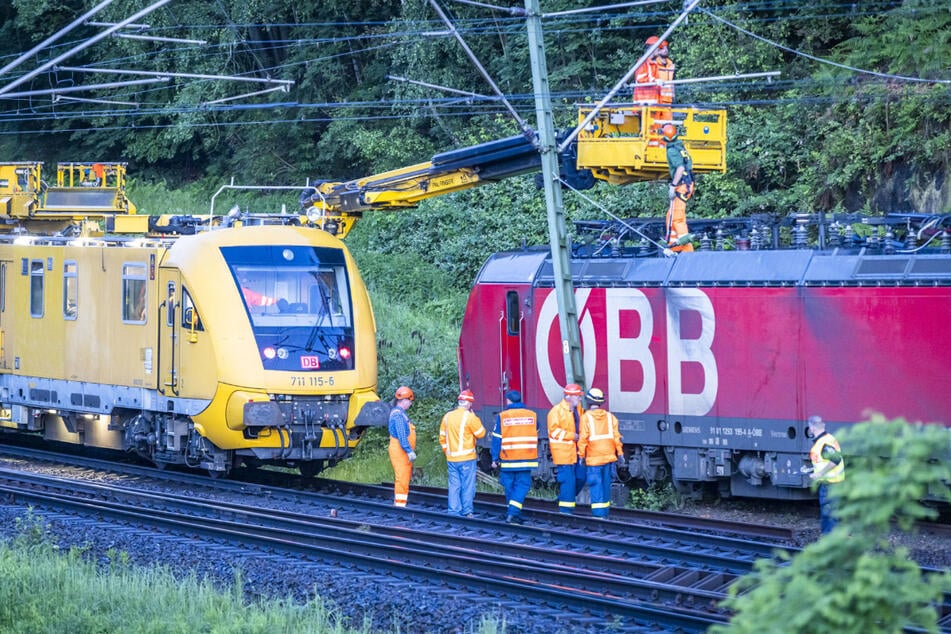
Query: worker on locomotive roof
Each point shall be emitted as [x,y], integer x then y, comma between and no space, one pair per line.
[680,190]
[563,423]
[599,446]
[657,70]
[828,467]
[402,448]
[515,452]
[458,432]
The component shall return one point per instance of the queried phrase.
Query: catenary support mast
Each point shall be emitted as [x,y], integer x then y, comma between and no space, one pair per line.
[557,232]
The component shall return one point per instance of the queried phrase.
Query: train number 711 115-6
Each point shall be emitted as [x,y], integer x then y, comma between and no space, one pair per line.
[303,380]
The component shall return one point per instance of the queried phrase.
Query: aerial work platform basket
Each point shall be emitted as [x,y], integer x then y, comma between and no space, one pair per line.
[623,143]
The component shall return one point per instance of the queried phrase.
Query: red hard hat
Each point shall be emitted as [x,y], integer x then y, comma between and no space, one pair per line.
[467,395]
[404,392]
[653,39]
[573,389]
[669,131]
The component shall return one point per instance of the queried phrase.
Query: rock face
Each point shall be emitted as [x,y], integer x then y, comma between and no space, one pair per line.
[901,188]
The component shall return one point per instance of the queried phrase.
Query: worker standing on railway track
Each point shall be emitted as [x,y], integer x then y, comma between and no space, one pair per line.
[402,447]
[599,446]
[564,420]
[828,467]
[515,452]
[457,436]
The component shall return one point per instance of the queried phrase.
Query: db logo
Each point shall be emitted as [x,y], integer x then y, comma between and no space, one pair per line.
[309,363]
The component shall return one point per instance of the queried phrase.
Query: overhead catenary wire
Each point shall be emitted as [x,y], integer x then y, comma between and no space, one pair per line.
[84,45]
[664,249]
[522,124]
[480,107]
[823,60]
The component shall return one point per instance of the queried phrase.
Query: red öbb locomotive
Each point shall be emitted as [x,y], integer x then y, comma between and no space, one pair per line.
[712,361]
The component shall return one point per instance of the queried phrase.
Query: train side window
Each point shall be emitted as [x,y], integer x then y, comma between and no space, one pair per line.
[3,287]
[36,287]
[134,292]
[513,313]
[188,311]
[70,289]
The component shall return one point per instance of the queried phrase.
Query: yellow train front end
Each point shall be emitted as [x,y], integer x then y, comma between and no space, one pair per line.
[252,344]
[267,344]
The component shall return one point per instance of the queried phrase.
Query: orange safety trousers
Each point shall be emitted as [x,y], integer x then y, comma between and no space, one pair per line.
[677,217]
[402,467]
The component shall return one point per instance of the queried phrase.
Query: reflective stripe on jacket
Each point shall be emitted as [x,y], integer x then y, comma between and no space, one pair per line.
[664,71]
[600,439]
[457,435]
[517,431]
[820,463]
[561,433]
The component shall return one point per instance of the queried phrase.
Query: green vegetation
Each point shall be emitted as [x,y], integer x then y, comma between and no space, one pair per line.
[657,497]
[854,580]
[45,590]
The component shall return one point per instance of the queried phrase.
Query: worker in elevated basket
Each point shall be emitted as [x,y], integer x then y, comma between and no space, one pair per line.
[402,447]
[599,446]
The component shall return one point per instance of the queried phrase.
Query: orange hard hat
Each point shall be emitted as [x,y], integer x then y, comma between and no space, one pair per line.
[404,392]
[467,395]
[573,389]
[669,131]
[653,39]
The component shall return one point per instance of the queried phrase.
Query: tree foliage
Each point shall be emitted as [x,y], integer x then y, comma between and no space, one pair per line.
[854,579]
[820,137]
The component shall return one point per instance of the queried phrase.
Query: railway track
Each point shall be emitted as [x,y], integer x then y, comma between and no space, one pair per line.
[646,577]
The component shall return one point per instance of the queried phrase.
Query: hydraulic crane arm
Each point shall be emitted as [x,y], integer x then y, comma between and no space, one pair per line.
[338,204]
[621,146]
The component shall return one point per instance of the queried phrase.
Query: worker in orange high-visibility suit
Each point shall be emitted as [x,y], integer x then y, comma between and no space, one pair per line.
[651,79]
[402,447]
[563,421]
[458,432]
[599,445]
[680,190]
[515,452]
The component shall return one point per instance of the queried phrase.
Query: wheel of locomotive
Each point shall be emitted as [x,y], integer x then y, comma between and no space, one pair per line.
[310,468]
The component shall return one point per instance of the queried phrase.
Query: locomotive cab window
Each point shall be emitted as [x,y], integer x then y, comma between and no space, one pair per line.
[36,288]
[134,293]
[70,289]
[513,313]
[297,301]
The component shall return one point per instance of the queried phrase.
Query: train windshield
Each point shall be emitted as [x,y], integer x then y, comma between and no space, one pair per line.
[295,296]
[298,301]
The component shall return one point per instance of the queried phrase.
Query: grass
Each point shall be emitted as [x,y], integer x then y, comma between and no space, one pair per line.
[44,590]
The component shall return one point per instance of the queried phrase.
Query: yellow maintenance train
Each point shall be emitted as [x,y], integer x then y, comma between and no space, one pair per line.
[251,343]
[211,341]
